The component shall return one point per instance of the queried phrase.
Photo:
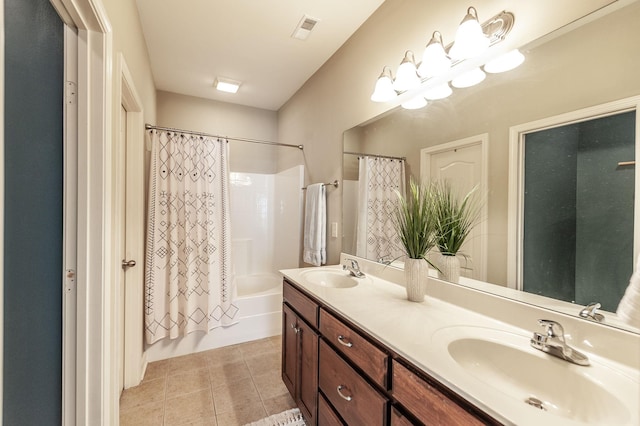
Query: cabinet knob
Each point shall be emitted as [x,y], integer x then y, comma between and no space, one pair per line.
[344,342]
[343,396]
[295,329]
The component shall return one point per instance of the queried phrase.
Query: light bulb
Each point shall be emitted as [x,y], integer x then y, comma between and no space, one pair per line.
[416,102]
[468,79]
[438,92]
[434,59]
[506,62]
[406,76]
[470,40]
[383,91]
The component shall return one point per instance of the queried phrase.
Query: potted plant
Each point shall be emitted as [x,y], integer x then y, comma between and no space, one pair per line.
[415,224]
[454,217]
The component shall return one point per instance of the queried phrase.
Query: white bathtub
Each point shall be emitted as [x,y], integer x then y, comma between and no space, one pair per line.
[260,308]
[258,285]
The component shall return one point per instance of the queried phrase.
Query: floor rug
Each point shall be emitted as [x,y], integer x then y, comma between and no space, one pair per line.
[286,418]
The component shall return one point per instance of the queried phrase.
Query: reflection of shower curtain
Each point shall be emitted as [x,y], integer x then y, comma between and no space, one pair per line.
[379,179]
[188,283]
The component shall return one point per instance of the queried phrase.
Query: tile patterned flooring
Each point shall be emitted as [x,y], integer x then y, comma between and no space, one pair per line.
[229,386]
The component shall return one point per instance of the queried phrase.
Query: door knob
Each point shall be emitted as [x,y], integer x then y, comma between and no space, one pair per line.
[128,264]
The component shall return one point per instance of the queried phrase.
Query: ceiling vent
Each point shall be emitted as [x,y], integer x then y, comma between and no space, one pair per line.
[306,24]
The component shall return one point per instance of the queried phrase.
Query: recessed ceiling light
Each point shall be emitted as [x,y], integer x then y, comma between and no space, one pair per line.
[226,85]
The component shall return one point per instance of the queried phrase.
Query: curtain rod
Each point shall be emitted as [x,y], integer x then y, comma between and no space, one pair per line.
[376,156]
[171,129]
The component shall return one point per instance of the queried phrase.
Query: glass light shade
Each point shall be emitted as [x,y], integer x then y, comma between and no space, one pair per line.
[415,103]
[468,79]
[470,41]
[384,90]
[407,74]
[435,61]
[438,92]
[506,62]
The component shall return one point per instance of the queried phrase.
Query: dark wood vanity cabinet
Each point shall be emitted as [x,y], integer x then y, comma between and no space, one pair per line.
[340,375]
[300,352]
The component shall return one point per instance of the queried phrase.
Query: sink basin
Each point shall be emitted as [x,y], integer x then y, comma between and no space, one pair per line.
[332,278]
[552,388]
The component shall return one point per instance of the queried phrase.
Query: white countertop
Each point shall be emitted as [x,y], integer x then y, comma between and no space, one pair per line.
[415,331]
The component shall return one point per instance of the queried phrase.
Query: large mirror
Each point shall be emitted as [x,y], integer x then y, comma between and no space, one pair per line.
[594,63]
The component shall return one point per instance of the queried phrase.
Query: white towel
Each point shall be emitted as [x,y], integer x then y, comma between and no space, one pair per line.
[629,307]
[315,226]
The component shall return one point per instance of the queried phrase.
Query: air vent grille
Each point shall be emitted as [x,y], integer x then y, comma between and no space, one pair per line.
[304,27]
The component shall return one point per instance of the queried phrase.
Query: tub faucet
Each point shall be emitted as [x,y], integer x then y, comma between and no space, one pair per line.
[354,269]
[554,343]
[589,312]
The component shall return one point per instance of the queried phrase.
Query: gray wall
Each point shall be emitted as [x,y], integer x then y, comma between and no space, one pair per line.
[33,214]
[578,210]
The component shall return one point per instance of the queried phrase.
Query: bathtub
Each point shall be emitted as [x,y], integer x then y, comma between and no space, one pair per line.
[259,300]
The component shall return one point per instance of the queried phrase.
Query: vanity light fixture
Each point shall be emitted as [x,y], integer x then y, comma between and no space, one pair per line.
[416,102]
[506,62]
[470,40]
[407,74]
[435,61]
[226,85]
[468,79]
[383,91]
[438,92]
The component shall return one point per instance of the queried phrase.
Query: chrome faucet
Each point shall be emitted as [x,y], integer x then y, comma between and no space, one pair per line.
[589,312]
[354,269]
[554,343]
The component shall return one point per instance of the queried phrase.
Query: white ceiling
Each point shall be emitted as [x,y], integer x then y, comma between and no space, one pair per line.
[191,42]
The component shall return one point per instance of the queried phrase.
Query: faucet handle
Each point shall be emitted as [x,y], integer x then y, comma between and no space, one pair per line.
[551,327]
[590,312]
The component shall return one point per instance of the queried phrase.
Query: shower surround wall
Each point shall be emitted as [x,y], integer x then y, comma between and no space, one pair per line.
[266,217]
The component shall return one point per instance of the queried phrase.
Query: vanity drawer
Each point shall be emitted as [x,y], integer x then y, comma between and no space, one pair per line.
[306,307]
[359,350]
[355,400]
[397,419]
[326,415]
[425,402]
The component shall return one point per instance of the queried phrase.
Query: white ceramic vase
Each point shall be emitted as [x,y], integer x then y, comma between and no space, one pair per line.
[416,274]
[449,266]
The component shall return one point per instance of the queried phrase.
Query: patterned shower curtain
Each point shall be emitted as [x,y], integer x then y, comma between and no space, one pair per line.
[379,179]
[188,281]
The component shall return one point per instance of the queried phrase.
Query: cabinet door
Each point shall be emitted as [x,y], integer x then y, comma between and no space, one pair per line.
[308,379]
[289,349]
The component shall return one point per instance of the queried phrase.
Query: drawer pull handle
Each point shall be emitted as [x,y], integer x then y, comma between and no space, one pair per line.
[344,342]
[343,396]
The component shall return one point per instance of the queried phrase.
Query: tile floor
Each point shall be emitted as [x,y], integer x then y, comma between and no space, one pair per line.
[229,386]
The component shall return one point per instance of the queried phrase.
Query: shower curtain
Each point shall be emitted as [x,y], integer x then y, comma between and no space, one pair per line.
[379,179]
[188,281]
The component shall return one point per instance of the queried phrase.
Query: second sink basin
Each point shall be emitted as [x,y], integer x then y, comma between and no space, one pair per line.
[333,278]
[506,363]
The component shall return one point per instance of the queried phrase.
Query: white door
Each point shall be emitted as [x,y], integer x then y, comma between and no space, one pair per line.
[462,163]
[121,203]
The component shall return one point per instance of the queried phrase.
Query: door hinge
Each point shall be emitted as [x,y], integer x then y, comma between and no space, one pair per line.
[70,93]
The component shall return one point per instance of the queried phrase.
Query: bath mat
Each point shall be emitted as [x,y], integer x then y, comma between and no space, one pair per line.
[291,417]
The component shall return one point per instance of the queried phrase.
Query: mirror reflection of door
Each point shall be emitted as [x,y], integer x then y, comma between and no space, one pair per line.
[578,210]
[462,164]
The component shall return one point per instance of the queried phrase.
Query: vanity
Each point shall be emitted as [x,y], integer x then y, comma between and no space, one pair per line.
[356,352]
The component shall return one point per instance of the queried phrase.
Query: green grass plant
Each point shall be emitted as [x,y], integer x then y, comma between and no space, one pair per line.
[454,217]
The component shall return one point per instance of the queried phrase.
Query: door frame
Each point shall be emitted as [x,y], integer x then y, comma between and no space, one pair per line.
[134,356]
[515,213]
[425,173]
[95,403]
